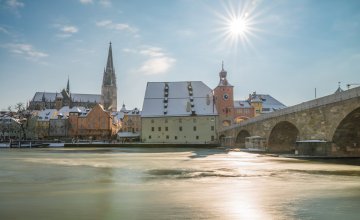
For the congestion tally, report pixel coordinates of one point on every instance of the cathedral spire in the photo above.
(108, 89)
(109, 65)
(68, 86)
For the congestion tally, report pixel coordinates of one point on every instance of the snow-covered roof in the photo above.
(86, 97)
(47, 114)
(64, 111)
(76, 97)
(256, 99)
(49, 96)
(177, 99)
(241, 104)
(269, 103)
(120, 114)
(6, 119)
(134, 111)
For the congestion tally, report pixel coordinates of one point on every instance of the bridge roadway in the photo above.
(334, 119)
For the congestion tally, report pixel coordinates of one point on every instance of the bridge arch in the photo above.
(282, 137)
(240, 138)
(347, 133)
(221, 138)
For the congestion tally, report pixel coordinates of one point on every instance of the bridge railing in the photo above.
(341, 96)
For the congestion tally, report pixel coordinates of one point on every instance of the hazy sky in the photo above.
(285, 48)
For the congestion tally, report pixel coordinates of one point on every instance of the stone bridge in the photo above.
(334, 119)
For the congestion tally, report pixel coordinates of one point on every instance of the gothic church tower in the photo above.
(108, 89)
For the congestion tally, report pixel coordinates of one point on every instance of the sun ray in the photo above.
(237, 25)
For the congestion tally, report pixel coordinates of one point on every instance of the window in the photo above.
(197, 137)
(180, 128)
(149, 136)
(194, 128)
(167, 136)
(212, 138)
(212, 128)
(194, 120)
(166, 128)
(159, 128)
(152, 129)
(175, 137)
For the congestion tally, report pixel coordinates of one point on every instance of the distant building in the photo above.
(130, 124)
(255, 105)
(178, 112)
(55, 100)
(234, 111)
(96, 124)
(42, 125)
(9, 128)
(76, 122)
(131, 121)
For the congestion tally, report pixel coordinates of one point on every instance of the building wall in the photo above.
(58, 127)
(191, 129)
(131, 123)
(9, 129)
(97, 124)
(241, 114)
(42, 129)
(258, 108)
(31, 128)
(224, 101)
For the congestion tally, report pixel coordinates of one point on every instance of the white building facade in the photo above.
(178, 112)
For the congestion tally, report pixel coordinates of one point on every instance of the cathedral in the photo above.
(107, 98)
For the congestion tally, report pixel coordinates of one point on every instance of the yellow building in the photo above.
(257, 104)
(178, 112)
(42, 124)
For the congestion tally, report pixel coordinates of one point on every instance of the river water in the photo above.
(164, 183)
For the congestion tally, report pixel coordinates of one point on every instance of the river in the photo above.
(168, 183)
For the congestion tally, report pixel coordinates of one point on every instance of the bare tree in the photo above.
(19, 107)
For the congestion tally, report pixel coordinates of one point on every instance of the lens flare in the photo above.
(237, 24)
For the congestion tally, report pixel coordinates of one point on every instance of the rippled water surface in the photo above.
(164, 183)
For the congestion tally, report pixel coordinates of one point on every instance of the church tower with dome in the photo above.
(224, 100)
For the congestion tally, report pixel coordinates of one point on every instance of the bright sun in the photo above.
(237, 23)
(238, 26)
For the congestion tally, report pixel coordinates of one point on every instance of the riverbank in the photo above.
(287, 155)
(141, 145)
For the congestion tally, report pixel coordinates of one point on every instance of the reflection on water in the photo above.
(165, 183)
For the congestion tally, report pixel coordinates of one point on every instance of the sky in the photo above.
(277, 47)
